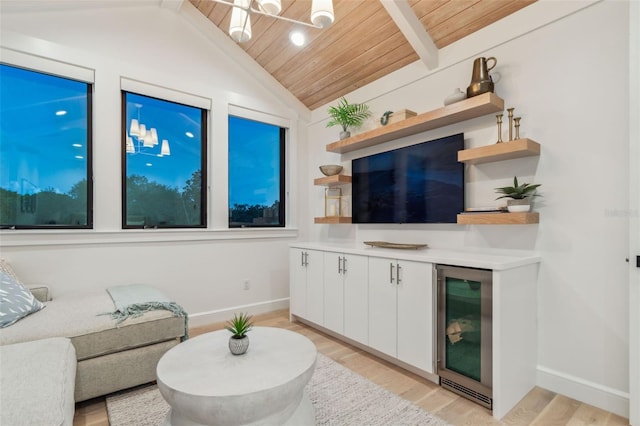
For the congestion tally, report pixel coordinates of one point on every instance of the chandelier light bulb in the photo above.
(240, 24)
(130, 148)
(154, 136)
(134, 130)
(272, 7)
(165, 150)
(322, 13)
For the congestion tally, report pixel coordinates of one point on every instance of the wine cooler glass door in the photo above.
(464, 325)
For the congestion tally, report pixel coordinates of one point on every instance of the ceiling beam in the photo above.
(413, 30)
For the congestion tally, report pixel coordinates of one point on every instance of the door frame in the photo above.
(634, 213)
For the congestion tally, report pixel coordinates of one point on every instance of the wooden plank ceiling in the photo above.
(363, 44)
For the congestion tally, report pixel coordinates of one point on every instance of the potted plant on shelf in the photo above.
(239, 325)
(348, 116)
(520, 195)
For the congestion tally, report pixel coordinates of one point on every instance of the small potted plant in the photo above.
(239, 325)
(348, 116)
(520, 195)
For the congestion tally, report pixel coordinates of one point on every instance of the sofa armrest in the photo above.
(40, 292)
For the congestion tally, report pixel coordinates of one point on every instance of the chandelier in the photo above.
(240, 24)
(141, 140)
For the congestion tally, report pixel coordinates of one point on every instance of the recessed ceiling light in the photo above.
(77, 145)
(61, 112)
(79, 157)
(148, 164)
(189, 134)
(297, 38)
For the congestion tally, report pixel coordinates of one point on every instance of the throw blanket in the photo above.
(135, 299)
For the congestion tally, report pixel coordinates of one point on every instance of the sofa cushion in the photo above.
(86, 320)
(16, 301)
(37, 383)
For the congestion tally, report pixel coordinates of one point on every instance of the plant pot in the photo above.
(345, 134)
(522, 205)
(238, 346)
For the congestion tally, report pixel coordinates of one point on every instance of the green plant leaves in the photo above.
(348, 115)
(518, 192)
(239, 325)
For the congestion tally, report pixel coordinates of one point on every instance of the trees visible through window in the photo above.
(256, 173)
(164, 163)
(45, 150)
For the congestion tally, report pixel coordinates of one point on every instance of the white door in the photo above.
(315, 286)
(297, 283)
(356, 298)
(382, 305)
(634, 210)
(333, 292)
(415, 314)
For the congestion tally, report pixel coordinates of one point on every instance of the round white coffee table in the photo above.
(206, 385)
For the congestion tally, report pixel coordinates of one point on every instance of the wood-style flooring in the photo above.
(539, 407)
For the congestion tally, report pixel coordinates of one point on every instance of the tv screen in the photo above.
(421, 183)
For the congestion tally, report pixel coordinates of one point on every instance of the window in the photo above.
(45, 150)
(256, 173)
(164, 164)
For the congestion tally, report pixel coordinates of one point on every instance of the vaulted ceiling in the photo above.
(368, 40)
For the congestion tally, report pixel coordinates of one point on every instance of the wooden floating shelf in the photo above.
(332, 219)
(498, 218)
(334, 180)
(500, 151)
(467, 109)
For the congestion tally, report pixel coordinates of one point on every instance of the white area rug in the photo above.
(338, 395)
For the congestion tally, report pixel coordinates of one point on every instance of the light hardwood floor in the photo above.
(539, 407)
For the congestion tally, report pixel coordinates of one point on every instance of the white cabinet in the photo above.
(345, 295)
(401, 310)
(306, 284)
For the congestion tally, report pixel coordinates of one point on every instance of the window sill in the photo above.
(20, 237)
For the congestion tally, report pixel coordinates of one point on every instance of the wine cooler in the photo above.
(464, 341)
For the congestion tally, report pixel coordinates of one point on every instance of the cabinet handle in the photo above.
(398, 280)
(339, 265)
(391, 278)
(306, 258)
(301, 258)
(344, 265)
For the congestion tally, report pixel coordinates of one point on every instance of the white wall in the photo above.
(204, 270)
(569, 81)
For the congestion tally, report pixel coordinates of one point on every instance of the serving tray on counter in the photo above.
(385, 244)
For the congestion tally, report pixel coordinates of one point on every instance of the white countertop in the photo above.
(477, 258)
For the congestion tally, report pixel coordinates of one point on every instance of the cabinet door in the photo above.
(333, 292)
(415, 314)
(315, 284)
(297, 283)
(356, 298)
(382, 305)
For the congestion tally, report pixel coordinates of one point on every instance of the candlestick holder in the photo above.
(499, 119)
(510, 111)
(517, 121)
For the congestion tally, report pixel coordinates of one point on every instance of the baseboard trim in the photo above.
(585, 391)
(221, 315)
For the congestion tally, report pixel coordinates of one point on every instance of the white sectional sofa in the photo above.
(108, 356)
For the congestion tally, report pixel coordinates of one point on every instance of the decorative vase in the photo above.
(238, 346)
(345, 134)
(522, 205)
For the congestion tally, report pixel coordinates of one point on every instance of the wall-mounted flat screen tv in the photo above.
(421, 183)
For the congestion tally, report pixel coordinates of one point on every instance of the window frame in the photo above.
(282, 174)
(89, 159)
(203, 165)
